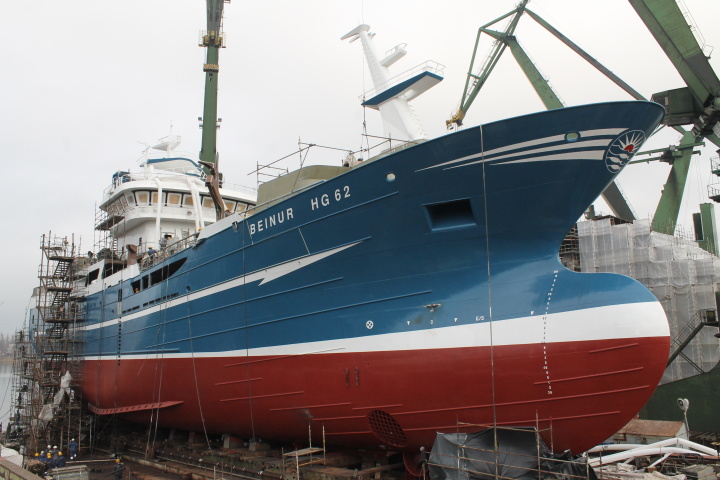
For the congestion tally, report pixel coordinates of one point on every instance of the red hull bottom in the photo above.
(577, 393)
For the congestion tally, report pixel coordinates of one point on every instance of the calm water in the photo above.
(5, 387)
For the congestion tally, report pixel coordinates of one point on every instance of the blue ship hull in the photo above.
(415, 293)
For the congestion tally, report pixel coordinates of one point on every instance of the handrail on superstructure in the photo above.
(427, 66)
(148, 261)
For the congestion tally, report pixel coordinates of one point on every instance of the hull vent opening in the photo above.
(386, 428)
(449, 215)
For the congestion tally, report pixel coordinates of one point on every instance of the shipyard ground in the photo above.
(239, 464)
(190, 456)
(149, 454)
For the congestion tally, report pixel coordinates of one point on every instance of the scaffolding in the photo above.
(682, 276)
(104, 243)
(570, 250)
(498, 453)
(46, 367)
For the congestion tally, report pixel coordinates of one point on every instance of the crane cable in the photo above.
(489, 293)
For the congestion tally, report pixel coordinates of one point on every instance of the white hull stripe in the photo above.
(596, 155)
(627, 321)
(583, 142)
(589, 155)
(266, 275)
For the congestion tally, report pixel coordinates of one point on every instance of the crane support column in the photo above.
(668, 208)
(208, 149)
(212, 40)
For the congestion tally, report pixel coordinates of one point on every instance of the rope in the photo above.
(9, 411)
(364, 110)
(247, 340)
(489, 290)
(152, 412)
(161, 356)
(365, 135)
(192, 354)
(117, 364)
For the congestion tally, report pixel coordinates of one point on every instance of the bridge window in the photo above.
(93, 275)
(207, 202)
(154, 200)
(174, 199)
(143, 198)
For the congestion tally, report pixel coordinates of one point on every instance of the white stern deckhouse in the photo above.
(164, 202)
(392, 93)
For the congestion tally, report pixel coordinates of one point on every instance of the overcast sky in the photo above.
(85, 82)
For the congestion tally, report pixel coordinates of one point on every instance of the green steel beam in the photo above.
(212, 41)
(707, 219)
(699, 102)
(668, 154)
(668, 208)
(714, 139)
(617, 202)
(214, 15)
(671, 30)
(539, 83)
(586, 56)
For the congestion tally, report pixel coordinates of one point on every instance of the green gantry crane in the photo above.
(698, 103)
(612, 194)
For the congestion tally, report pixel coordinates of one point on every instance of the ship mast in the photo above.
(212, 40)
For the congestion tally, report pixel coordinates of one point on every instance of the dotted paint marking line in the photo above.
(546, 367)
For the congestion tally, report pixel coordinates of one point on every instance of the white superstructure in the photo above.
(165, 202)
(392, 93)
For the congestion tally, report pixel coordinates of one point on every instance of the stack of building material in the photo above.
(699, 472)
